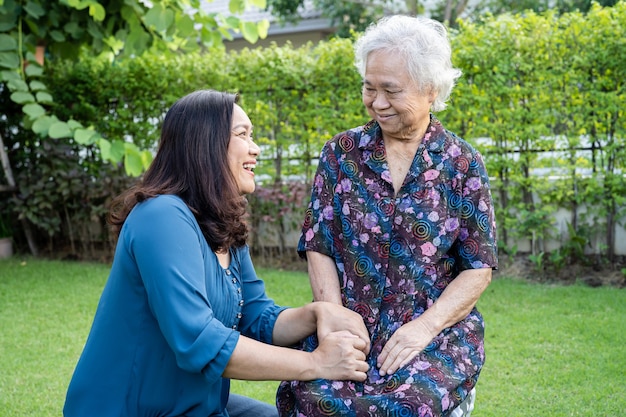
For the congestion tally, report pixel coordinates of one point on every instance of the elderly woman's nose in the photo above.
(380, 101)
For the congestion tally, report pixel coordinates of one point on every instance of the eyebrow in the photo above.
(244, 125)
(384, 84)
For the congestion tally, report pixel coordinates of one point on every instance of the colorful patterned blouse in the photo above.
(395, 254)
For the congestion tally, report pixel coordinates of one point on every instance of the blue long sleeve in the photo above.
(168, 321)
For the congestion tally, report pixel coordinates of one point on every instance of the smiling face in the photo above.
(242, 151)
(393, 99)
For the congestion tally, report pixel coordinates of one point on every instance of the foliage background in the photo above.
(542, 97)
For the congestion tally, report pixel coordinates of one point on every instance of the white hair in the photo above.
(424, 45)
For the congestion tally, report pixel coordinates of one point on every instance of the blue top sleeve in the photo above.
(168, 321)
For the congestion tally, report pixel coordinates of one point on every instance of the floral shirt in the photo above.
(395, 255)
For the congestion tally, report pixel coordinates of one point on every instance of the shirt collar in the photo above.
(433, 141)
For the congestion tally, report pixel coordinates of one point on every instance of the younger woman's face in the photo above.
(242, 151)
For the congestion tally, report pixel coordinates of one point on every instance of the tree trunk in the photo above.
(8, 174)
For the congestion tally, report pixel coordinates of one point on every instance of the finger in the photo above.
(361, 370)
(359, 376)
(384, 354)
(398, 362)
(343, 333)
(367, 342)
(361, 345)
(388, 357)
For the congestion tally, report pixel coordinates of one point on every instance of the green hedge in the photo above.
(539, 92)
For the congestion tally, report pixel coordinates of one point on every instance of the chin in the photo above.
(246, 190)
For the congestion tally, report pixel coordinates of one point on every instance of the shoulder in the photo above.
(449, 144)
(354, 139)
(452, 139)
(242, 252)
(163, 203)
(161, 208)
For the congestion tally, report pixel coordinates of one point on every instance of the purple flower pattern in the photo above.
(395, 255)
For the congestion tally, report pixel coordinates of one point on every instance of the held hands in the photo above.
(340, 356)
(404, 345)
(332, 317)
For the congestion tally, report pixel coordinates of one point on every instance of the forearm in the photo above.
(340, 356)
(457, 300)
(294, 324)
(323, 277)
(257, 361)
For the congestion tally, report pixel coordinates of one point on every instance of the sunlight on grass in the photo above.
(551, 350)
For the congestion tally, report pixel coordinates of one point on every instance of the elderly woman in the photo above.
(400, 228)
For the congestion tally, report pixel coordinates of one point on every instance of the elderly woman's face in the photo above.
(242, 151)
(392, 99)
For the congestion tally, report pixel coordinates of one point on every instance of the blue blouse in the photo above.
(168, 321)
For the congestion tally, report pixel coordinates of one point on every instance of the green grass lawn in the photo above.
(551, 350)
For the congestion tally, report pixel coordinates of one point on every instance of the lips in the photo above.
(384, 117)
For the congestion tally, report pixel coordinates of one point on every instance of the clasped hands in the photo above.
(344, 342)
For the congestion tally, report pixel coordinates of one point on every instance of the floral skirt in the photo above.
(433, 384)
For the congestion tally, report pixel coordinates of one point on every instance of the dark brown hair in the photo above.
(192, 163)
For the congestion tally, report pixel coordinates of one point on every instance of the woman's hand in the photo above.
(404, 345)
(340, 356)
(454, 304)
(331, 317)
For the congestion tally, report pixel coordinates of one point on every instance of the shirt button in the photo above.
(235, 327)
(240, 302)
(234, 280)
(228, 272)
(239, 315)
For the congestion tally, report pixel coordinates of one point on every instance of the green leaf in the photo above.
(133, 163)
(9, 60)
(250, 32)
(38, 86)
(21, 97)
(137, 41)
(17, 84)
(73, 28)
(237, 6)
(34, 9)
(146, 159)
(7, 43)
(33, 110)
(44, 97)
(10, 75)
(33, 69)
(185, 26)
(159, 18)
(60, 130)
(57, 36)
(117, 151)
(73, 124)
(42, 124)
(8, 22)
(105, 149)
(261, 4)
(262, 28)
(85, 136)
(79, 4)
(232, 22)
(97, 12)
(115, 44)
